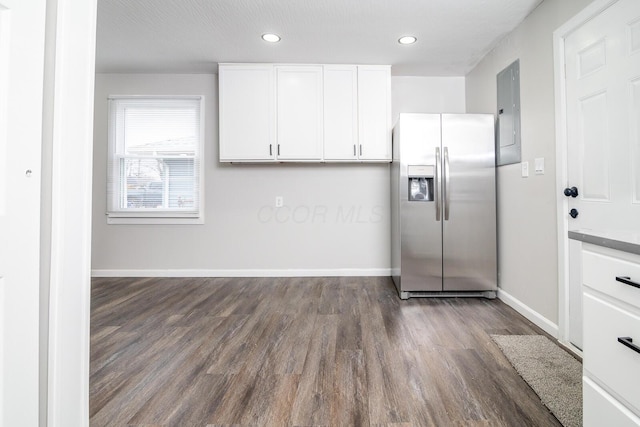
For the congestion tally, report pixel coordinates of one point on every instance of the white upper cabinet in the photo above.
(309, 113)
(247, 112)
(374, 112)
(299, 112)
(340, 112)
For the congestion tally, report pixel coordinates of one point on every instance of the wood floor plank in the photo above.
(271, 401)
(312, 405)
(288, 345)
(191, 383)
(320, 351)
(246, 367)
(451, 386)
(498, 408)
(350, 403)
(135, 392)
(426, 406)
(232, 353)
(200, 396)
(387, 390)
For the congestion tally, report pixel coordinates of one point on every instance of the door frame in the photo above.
(66, 212)
(562, 204)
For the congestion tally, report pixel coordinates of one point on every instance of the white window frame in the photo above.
(165, 216)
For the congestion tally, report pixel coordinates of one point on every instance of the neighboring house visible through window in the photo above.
(155, 152)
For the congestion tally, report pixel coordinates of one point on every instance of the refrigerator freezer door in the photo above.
(421, 233)
(469, 228)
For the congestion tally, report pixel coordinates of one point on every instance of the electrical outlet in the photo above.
(525, 169)
(279, 201)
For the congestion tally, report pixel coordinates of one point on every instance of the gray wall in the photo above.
(427, 95)
(527, 235)
(335, 219)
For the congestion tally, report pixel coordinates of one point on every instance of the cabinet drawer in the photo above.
(611, 362)
(600, 409)
(600, 272)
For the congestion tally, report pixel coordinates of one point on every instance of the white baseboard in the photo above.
(570, 347)
(245, 273)
(535, 317)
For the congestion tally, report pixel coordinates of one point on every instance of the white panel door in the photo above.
(340, 112)
(299, 112)
(22, 35)
(247, 112)
(374, 112)
(603, 131)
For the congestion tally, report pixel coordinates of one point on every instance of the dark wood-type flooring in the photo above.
(300, 352)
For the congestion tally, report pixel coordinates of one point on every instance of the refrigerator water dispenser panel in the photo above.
(420, 183)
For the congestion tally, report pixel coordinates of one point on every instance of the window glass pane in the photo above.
(160, 130)
(158, 183)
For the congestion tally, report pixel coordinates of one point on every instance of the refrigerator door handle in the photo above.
(436, 186)
(445, 189)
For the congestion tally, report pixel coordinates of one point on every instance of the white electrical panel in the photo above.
(508, 135)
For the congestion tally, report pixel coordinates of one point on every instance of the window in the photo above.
(155, 151)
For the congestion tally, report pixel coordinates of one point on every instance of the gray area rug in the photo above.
(552, 373)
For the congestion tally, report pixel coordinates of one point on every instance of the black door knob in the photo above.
(571, 192)
(573, 212)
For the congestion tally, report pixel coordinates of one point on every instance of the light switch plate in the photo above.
(540, 166)
(525, 169)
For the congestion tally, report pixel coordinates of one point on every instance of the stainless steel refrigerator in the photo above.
(443, 205)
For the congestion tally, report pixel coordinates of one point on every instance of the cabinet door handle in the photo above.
(627, 281)
(361, 149)
(271, 149)
(354, 150)
(628, 342)
(278, 149)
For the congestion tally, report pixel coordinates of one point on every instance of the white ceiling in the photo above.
(193, 36)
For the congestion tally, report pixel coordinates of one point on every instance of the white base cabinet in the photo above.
(305, 113)
(601, 409)
(611, 351)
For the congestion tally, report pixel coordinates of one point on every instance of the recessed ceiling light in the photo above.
(407, 40)
(271, 38)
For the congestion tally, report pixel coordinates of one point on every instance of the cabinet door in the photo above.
(374, 112)
(601, 409)
(340, 112)
(299, 112)
(247, 112)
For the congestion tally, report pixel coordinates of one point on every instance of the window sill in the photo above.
(155, 220)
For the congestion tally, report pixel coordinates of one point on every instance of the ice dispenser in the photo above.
(420, 183)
